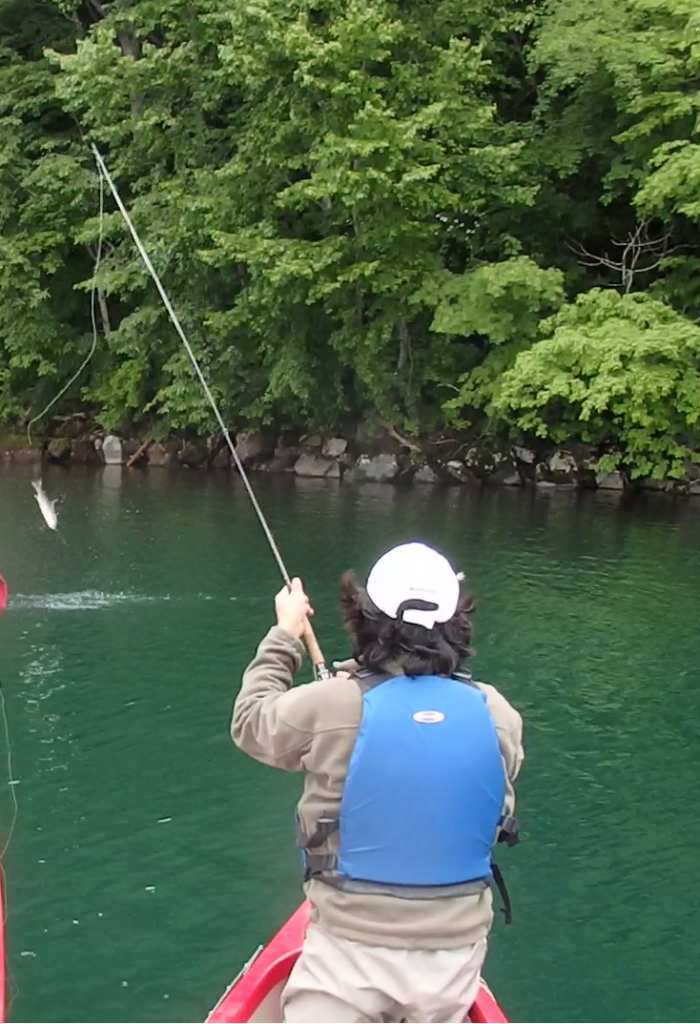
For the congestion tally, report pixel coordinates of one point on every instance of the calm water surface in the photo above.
(150, 857)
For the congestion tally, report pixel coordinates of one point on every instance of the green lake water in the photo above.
(150, 858)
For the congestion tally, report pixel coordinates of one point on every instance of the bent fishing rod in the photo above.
(309, 637)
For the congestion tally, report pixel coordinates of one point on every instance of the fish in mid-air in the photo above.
(48, 507)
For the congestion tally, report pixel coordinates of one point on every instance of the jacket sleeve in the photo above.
(266, 723)
(509, 728)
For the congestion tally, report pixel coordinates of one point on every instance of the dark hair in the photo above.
(378, 640)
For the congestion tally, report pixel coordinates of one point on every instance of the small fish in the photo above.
(48, 508)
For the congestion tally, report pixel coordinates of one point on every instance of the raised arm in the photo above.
(266, 723)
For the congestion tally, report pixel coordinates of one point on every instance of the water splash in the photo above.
(79, 601)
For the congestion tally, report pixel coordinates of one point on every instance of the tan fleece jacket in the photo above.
(312, 728)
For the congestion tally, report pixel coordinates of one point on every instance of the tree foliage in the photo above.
(410, 210)
(621, 369)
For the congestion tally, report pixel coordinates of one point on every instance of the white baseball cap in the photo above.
(414, 572)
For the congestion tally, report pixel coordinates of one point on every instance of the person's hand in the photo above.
(292, 608)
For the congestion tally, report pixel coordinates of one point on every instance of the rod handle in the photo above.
(315, 652)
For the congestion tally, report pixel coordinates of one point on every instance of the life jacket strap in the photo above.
(325, 827)
(500, 882)
(316, 864)
(367, 678)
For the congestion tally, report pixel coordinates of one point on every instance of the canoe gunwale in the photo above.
(272, 965)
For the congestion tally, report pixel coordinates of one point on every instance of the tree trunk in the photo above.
(131, 47)
(104, 312)
(405, 354)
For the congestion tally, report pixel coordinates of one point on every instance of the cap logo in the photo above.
(428, 717)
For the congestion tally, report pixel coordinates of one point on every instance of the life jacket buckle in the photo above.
(508, 831)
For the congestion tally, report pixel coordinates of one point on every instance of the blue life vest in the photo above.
(425, 786)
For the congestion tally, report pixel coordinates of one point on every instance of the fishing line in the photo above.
(10, 779)
(9, 978)
(93, 314)
(193, 359)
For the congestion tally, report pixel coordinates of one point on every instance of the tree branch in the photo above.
(637, 248)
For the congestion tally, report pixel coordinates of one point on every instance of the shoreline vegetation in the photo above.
(378, 456)
(416, 240)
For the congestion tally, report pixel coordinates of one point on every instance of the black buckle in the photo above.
(509, 831)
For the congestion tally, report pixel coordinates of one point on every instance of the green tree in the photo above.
(361, 208)
(367, 143)
(492, 312)
(621, 372)
(618, 120)
(42, 330)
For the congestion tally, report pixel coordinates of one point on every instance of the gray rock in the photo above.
(380, 469)
(250, 445)
(316, 465)
(458, 471)
(283, 460)
(507, 477)
(278, 464)
(426, 475)
(314, 441)
(488, 465)
(485, 461)
(335, 447)
(694, 488)
(610, 481)
(159, 455)
(84, 452)
(523, 454)
(222, 459)
(112, 450)
(472, 458)
(560, 470)
(282, 449)
(193, 454)
(59, 449)
(562, 462)
(667, 485)
(692, 470)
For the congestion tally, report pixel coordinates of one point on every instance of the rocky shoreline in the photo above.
(384, 457)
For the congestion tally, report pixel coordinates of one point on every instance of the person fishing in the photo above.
(409, 770)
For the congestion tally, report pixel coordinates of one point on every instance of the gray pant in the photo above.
(336, 981)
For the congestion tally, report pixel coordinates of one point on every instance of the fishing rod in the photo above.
(309, 637)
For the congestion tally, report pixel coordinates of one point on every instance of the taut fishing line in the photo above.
(193, 359)
(15, 808)
(10, 779)
(93, 314)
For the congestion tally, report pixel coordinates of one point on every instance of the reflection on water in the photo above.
(39, 683)
(150, 858)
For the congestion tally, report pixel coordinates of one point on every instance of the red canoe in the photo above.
(2, 952)
(255, 994)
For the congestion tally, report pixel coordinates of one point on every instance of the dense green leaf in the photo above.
(393, 209)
